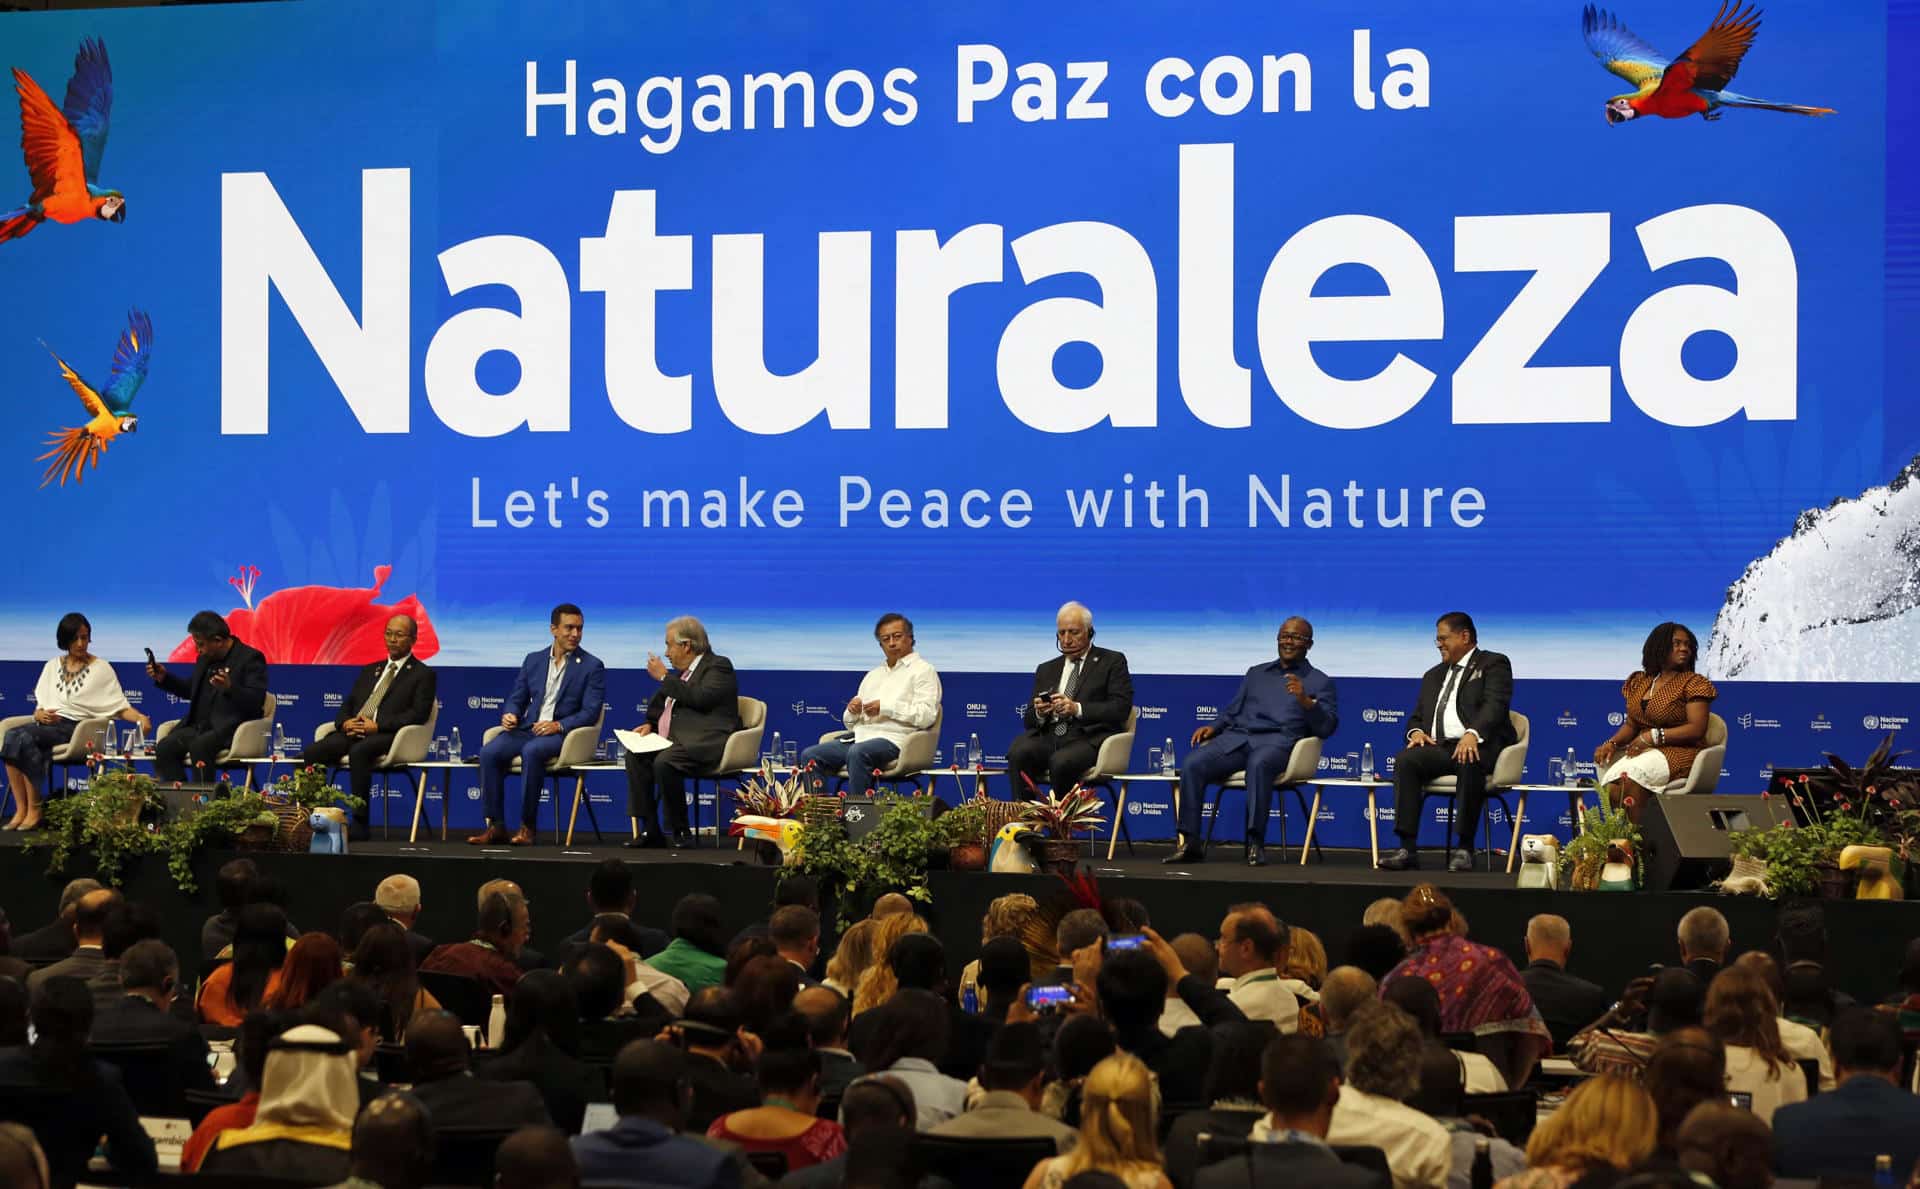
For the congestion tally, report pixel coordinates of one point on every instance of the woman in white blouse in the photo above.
(75, 685)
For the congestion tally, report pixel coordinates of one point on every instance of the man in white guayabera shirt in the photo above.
(895, 700)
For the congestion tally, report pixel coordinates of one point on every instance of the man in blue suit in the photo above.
(1279, 704)
(557, 689)
(1838, 1134)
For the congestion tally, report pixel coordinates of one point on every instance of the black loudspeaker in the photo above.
(1687, 837)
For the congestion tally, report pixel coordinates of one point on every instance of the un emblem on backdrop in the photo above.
(1133, 808)
(1871, 722)
(1369, 715)
(1616, 718)
(473, 701)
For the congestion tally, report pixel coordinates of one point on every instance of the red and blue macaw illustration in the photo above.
(1695, 82)
(75, 449)
(63, 146)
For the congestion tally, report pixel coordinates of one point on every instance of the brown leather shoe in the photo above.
(522, 837)
(491, 836)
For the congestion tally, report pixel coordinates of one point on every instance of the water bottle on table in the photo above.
(458, 754)
(279, 742)
(1569, 770)
(779, 755)
(1166, 757)
(1366, 761)
(973, 750)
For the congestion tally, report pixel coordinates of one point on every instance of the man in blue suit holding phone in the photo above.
(557, 689)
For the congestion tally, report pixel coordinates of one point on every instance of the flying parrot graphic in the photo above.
(1696, 81)
(75, 449)
(63, 146)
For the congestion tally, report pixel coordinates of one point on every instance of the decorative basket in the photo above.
(1831, 883)
(819, 809)
(1001, 814)
(295, 831)
(1586, 875)
(967, 856)
(1060, 855)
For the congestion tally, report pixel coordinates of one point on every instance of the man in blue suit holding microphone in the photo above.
(557, 689)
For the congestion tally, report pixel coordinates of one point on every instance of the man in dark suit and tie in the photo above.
(1457, 730)
(1838, 1134)
(1566, 1001)
(1300, 1087)
(1279, 703)
(557, 689)
(389, 694)
(229, 687)
(696, 707)
(1079, 698)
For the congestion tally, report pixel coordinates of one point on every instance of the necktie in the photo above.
(666, 719)
(379, 690)
(1073, 677)
(1446, 698)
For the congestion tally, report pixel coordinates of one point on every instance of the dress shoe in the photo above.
(682, 840)
(1190, 853)
(648, 840)
(1462, 860)
(1400, 860)
(491, 836)
(522, 837)
(1256, 855)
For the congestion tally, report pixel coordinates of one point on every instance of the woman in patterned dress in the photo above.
(75, 685)
(1666, 725)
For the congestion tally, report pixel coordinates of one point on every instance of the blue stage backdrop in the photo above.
(1202, 313)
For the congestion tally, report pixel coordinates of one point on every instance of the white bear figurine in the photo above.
(1539, 861)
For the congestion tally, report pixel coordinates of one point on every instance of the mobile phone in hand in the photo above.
(1049, 996)
(1126, 941)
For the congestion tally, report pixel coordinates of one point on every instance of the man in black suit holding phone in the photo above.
(696, 707)
(1079, 698)
(387, 695)
(229, 687)
(1457, 729)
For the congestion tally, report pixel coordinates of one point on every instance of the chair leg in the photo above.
(419, 801)
(1519, 817)
(1373, 819)
(1215, 818)
(1313, 816)
(579, 787)
(592, 820)
(383, 807)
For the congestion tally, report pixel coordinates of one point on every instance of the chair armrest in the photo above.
(1303, 763)
(166, 728)
(577, 747)
(322, 731)
(17, 720)
(742, 750)
(1116, 753)
(487, 735)
(410, 744)
(250, 740)
(917, 754)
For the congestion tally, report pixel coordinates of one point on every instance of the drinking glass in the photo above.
(1153, 759)
(439, 747)
(1353, 764)
(1555, 769)
(793, 754)
(959, 755)
(616, 750)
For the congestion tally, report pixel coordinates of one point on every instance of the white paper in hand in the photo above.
(636, 743)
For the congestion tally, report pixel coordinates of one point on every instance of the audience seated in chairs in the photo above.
(488, 957)
(1729, 1146)
(246, 983)
(444, 1083)
(55, 940)
(1470, 1071)
(1232, 1097)
(398, 896)
(786, 1122)
(542, 1048)
(1742, 1015)
(718, 1060)
(257, 1034)
(143, 1018)
(764, 991)
(1566, 1001)
(828, 1014)
(88, 957)
(1300, 1091)
(652, 1094)
(697, 954)
(393, 1143)
(383, 964)
(1869, 1113)
(611, 896)
(1013, 1079)
(69, 1099)
(310, 967)
(907, 1039)
(127, 925)
(1383, 1071)
(1118, 1130)
(303, 1127)
(536, 1157)
(1607, 1123)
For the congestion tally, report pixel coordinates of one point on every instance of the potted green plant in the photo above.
(1058, 818)
(1803, 858)
(892, 857)
(1602, 829)
(293, 798)
(105, 819)
(964, 830)
(221, 820)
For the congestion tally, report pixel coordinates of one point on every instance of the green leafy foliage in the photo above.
(217, 823)
(308, 788)
(963, 824)
(104, 819)
(1601, 826)
(893, 857)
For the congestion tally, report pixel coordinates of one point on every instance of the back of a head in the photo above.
(598, 978)
(357, 920)
(1703, 933)
(149, 965)
(436, 1046)
(310, 967)
(1866, 1041)
(1730, 1145)
(1306, 957)
(920, 961)
(797, 890)
(1606, 1122)
(1078, 929)
(1383, 1051)
(1014, 1058)
(714, 1007)
(891, 904)
(61, 1010)
(1233, 1071)
(127, 924)
(1418, 998)
(1119, 1114)
(764, 990)
(1127, 915)
(881, 1158)
(1082, 1043)
(787, 1070)
(648, 1079)
(793, 927)
(877, 1103)
(1741, 1010)
(234, 881)
(261, 929)
(1675, 1000)
(257, 1033)
(1762, 966)
(610, 887)
(1376, 949)
(1549, 934)
(1132, 987)
(913, 1023)
(543, 1005)
(1198, 955)
(22, 1164)
(1426, 910)
(1687, 1068)
(1800, 933)
(1345, 989)
(535, 1158)
(398, 894)
(1297, 1075)
(696, 920)
(743, 951)
(499, 913)
(393, 1142)
(90, 915)
(1004, 968)
(827, 1013)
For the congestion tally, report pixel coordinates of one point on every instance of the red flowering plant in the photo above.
(307, 787)
(319, 625)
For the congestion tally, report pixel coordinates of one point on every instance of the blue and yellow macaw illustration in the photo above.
(63, 147)
(75, 449)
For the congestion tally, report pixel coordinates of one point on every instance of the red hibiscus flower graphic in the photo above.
(320, 625)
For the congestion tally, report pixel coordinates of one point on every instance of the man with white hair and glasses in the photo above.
(696, 707)
(1079, 698)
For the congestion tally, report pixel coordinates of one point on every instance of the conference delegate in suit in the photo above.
(1278, 704)
(229, 687)
(387, 695)
(696, 707)
(557, 689)
(1079, 698)
(1457, 729)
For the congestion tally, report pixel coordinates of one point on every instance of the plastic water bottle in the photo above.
(1883, 1172)
(779, 756)
(1481, 1176)
(457, 754)
(973, 751)
(279, 743)
(970, 1000)
(497, 1022)
(1570, 770)
(1166, 757)
(1366, 761)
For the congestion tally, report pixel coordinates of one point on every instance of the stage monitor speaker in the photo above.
(1687, 837)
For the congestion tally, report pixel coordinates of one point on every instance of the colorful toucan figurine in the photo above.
(63, 146)
(1695, 82)
(79, 447)
(782, 832)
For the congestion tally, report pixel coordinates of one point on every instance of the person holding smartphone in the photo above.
(228, 687)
